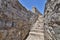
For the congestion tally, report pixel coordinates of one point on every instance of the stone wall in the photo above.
(52, 20)
(15, 20)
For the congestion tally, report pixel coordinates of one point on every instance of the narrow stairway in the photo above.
(37, 31)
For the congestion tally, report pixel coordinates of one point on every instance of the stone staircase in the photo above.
(37, 31)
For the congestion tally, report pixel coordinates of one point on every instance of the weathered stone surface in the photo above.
(16, 22)
(3, 34)
(52, 20)
(15, 19)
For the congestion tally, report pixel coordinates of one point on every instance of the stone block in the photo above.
(3, 34)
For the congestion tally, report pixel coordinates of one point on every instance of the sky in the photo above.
(39, 4)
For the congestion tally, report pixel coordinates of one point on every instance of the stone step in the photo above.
(38, 28)
(33, 37)
(36, 33)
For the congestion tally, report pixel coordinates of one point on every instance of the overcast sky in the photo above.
(39, 4)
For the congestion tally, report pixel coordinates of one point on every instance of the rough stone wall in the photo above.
(52, 20)
(15, 20)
